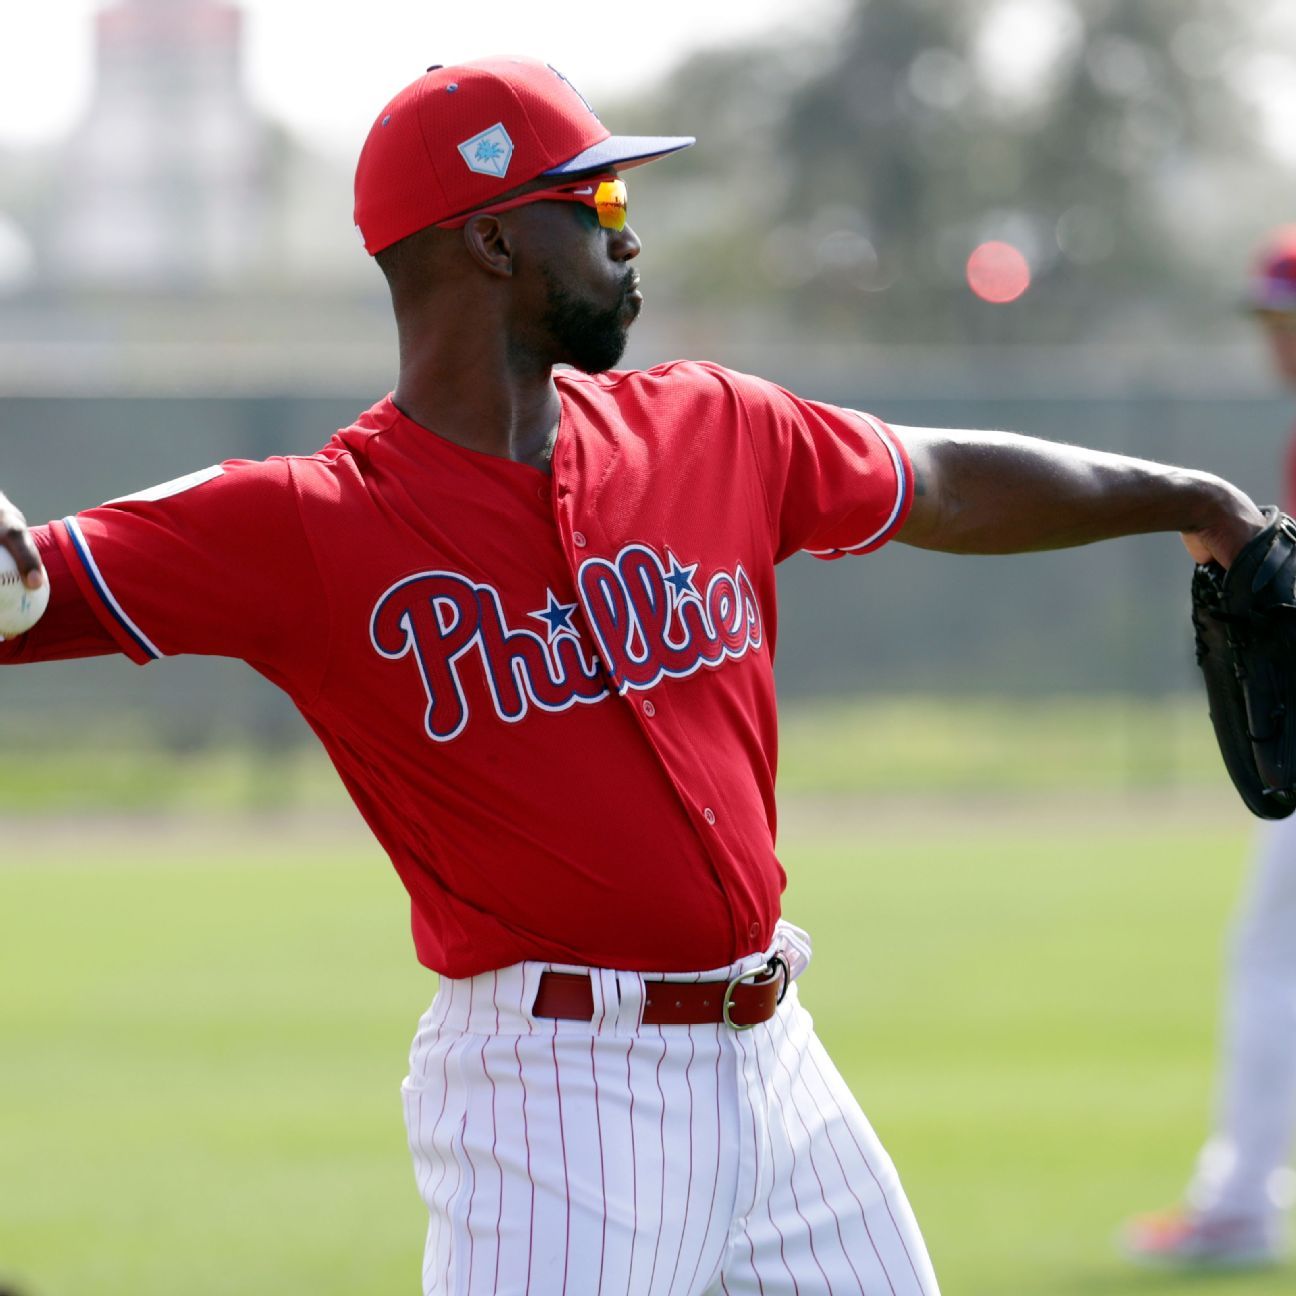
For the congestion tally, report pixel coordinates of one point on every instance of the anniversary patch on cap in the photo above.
(490, 152)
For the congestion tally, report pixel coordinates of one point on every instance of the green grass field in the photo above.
(855, 746)
(205, 1020)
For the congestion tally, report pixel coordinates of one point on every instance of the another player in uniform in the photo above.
(1234, 1207)
(531, 616)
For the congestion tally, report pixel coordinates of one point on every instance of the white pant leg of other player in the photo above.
(1244, 1170)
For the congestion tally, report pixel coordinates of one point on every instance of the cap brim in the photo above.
(623, 151)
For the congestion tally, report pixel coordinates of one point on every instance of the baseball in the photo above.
(20, 607)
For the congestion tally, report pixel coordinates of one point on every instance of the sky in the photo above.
(325, 70)
(327, 79)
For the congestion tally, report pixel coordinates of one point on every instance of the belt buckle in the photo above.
(776, 967)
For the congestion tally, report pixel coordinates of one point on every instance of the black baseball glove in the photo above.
(1245, 625)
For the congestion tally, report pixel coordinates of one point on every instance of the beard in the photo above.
(588, 337)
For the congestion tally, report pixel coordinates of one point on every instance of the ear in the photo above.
(490, 245)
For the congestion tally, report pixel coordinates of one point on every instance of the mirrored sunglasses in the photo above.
(605, 195)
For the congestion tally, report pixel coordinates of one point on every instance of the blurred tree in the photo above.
(1117, 146)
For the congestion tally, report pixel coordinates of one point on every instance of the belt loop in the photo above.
(604, 981)
(629, 1004)
(529, 988)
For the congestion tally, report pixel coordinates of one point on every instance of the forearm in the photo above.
(995, 492)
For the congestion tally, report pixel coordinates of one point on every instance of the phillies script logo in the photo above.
(647, 620)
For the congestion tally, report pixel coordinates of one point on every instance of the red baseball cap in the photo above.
(1273, 282)
(461, 136)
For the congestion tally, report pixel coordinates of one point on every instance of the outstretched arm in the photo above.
(994, 492)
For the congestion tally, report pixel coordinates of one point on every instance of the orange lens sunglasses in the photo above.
(606, 195)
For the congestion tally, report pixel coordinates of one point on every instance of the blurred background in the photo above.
(1037, 215)
(1025, 214)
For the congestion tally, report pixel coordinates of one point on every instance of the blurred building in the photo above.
(167, 179)
(178, 242)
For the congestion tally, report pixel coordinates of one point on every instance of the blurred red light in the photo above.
(997, 272)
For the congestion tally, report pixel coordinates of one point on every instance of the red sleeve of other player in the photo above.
(217, 563)
(837, 481)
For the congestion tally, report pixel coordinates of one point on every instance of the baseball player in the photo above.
(531, 616)
(1234, 1207)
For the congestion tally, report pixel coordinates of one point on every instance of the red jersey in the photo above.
(550, 696)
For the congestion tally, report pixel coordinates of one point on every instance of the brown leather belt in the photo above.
(743, 1002)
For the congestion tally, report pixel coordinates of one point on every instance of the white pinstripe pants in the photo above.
(606, 1158)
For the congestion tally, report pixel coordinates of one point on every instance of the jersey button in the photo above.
(648, 709)
(709, 815)
(754, 930)
(542, 492)
(578, 539)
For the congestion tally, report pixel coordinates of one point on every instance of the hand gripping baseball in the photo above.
(17, 540)
(1244, 621)
(24, 593)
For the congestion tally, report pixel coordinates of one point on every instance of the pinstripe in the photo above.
(688, 1191)
(472, 1192)
(872, 1174)
(793, 1082)
(526, 1138)
(499, 1169)
(425, 1043)
(846, 1180)
(445, 1094)
(598, 1126)
(445, 1221)
(449, 1202)
(430, 1250)
(424, 1169)
(769, 1202)
(445, 1232)
(715, 1185)
(634, 1172)
(751, 1106)
(418, 1139)
(562, 1143)
(661, 1138)
(791, 1142)
(430, 1256)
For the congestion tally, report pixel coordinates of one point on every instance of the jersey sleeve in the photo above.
(837, 481)
(217, 563)
(69, 627)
